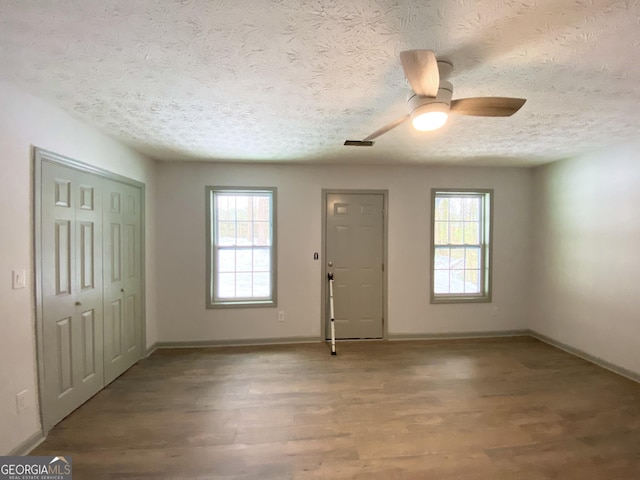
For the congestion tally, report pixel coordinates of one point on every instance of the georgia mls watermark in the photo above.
(35, 468)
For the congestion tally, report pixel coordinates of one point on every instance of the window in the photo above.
(241, 238)
(461, 246)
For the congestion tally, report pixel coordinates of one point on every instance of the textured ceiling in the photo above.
(290, 80)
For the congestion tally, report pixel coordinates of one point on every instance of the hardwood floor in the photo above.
(512, 408)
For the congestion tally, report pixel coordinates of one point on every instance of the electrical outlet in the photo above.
(281, 316)
(494, 311)
(19, 279)
(21, 401)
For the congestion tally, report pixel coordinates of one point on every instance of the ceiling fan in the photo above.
(430, 102)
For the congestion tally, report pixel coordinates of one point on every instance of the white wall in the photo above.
(181, 249)
(26, 121)
(586, 254)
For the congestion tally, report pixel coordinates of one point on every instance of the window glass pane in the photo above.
(244, 234)
(472, 281)
(226, 207)
(261, 233)
(456, 281)
(226, 285)
(441, 281)
(442, 209)
(441, 258)
(241, 245)
(457, 258)
(441, 233)
(226, 234)
(456, 236)
(471, 233)
(244, 260)
(472, 259)
(261, 207)
(261, 259)
(244, 207)
(261, 285)
(226, 260)
(455, 208)
(471, 209)
(244, 285)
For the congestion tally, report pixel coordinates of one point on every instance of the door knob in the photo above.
(331, 264)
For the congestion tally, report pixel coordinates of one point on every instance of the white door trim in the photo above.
(324, 271)
(39, 156)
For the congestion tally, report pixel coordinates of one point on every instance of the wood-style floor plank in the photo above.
(511, 408)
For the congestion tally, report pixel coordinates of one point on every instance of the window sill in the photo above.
(460, 299)
(243, 304)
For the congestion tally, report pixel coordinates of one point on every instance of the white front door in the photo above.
(355, 254)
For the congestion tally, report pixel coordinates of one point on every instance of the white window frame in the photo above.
(486, 242)
(212, 300)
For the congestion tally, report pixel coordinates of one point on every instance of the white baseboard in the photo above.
(586, 356)
(28, 445)
(151, 349)
(236, 343)
(457, 335)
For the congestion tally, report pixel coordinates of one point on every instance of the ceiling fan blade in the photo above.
(368, 141)
(421, 69)
(387, 127)
(487, 106)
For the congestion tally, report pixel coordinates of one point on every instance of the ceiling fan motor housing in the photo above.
(419, 105)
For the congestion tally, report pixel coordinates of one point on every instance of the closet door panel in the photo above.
(122, 277)
(71, 289)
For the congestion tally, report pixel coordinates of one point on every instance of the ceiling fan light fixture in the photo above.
(430, 113)
(428, 121)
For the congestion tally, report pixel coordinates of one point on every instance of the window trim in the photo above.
(211, 303)
(486, 248)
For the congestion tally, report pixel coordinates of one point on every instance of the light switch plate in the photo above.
(21, 401)
(19, 278)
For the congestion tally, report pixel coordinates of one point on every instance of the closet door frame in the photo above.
(39, 156)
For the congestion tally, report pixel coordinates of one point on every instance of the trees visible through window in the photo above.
(241, 245)
(461, 246)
